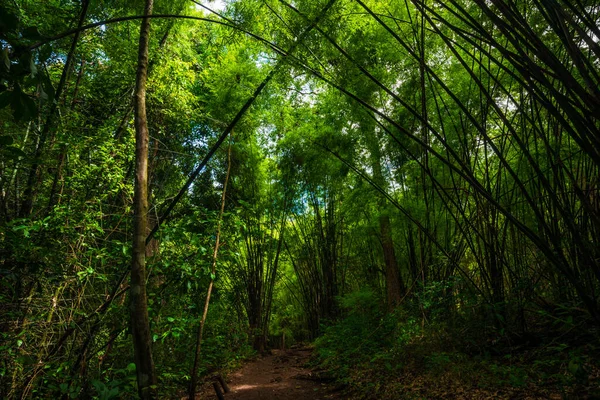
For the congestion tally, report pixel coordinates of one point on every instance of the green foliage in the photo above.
(368, 346)
(447, 151)
(364, 336)
(122, 384)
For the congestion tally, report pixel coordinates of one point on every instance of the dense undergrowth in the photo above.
(113, 375)
(419, 351)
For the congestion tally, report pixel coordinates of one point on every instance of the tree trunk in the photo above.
(194, 373)
(394, 284)
(393, 280)
(140, 325)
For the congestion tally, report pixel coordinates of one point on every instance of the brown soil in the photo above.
(280, 375)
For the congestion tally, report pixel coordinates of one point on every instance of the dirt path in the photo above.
(281, 375)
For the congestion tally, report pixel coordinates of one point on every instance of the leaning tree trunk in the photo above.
(140, 325)
(200, 334)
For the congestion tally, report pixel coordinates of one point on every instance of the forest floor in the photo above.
(286, 375)
(282, 374)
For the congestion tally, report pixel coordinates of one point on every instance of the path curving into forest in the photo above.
(281, 375)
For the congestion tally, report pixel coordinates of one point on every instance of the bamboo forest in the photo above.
(299, 199)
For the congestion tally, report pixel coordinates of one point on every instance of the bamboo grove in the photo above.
(441, 156)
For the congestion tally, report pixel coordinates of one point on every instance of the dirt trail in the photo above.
(280, 375)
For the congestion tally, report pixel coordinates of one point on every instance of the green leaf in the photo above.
(99, 386)
(25, 62)
(44, 53)
(32, 67)
(47, 86)
(23, 106)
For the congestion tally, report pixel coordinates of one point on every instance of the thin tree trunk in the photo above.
(194, 373)
(425, 245)
(268, 298)
(140, 324)
(63, 151)
(30, 189)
